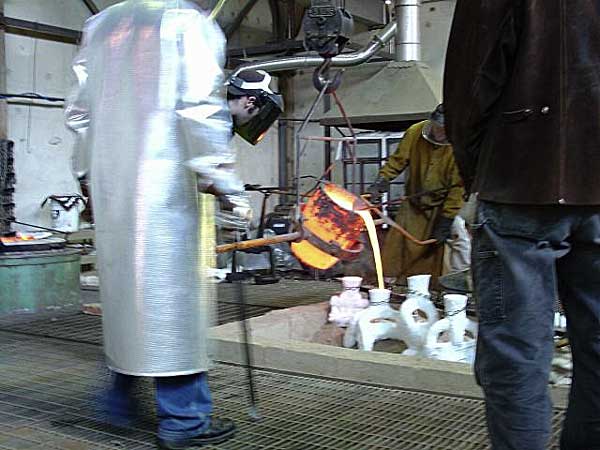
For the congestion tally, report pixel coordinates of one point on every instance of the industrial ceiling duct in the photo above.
(380, 96)
(408, 31)
(344, 60)
(392, 96)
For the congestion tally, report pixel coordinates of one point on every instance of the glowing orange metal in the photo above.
(331, 227)
(12, 239)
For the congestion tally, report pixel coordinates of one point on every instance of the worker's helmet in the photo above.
(256, 83)
(436, 119)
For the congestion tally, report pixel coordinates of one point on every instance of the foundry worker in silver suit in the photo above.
(151, 110)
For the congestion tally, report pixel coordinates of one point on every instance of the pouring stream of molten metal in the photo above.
(341, 230)
(370, 224)
(357, 205)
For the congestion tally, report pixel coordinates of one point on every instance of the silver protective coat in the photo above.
(149, 112)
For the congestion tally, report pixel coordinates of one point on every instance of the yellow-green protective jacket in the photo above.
(430, 167)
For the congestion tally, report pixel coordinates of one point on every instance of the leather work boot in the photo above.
(219, 431)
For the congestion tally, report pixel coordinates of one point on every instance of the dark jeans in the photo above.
(524, 257)
(183, 404)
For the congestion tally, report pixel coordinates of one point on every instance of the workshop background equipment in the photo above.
(271, 276)
(7, 186)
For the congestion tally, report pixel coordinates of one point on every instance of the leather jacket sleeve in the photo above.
(455, 198)
(483, 41)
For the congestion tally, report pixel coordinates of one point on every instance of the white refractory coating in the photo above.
(377, 296)
(345, 305)
(459, 346)
(377, 322)
(351, 282)
(455, 307)
(416, 324)
(417, 314)
(419, 284)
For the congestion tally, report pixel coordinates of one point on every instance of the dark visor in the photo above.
(255, 130)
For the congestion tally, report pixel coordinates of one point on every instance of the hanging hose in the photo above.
(385, 219)
(353, 143)
(39, 227)
(299, 152)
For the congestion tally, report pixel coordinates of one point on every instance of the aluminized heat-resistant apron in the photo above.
(150, 115)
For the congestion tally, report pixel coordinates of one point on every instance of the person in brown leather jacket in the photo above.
(522, 97)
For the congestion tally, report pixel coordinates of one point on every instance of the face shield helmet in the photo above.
(269, 104)
(434, 131)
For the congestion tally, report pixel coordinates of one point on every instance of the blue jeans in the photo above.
(524, 258)
(183, 404)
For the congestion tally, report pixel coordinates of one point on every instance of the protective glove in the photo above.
(469, 210)
(235, 212)
(377, 189)
(442, 229)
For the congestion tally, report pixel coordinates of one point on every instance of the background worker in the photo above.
(426, 154)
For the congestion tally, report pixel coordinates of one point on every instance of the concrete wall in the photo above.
(436, 19)
(43, 146)
(259, 165)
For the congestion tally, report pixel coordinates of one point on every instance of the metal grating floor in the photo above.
(48, 386)
(70, 324)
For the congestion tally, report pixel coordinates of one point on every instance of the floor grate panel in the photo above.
(72, 325)
(48, 387)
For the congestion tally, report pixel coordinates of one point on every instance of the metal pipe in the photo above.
(327, 137)
(91, 6)
(408, 31)
(351, 144)
(3, 108)
(344, 60)
(386, 220)
(217, 9)
(40, 30)
(38, 227)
